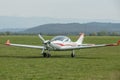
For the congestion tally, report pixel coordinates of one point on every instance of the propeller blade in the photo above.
(41, 38)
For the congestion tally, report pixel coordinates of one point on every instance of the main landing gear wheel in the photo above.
(72, 55)
(46, 54)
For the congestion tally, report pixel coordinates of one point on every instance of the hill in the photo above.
(7, 22)
(28, 22)
(74, 28)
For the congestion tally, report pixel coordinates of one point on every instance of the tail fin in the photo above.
(7, 42)
(80, 39)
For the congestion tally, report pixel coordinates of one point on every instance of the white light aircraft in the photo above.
(62, 43)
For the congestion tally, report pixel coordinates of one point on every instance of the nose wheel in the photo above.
(46, 54)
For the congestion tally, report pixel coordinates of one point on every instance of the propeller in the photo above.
(45, 42)
(41, 38)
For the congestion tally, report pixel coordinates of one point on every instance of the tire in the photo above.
(44, 54)
(48, 55)
(72, 55)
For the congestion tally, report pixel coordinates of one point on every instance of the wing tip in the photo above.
(118, 43)
(7, 42)
(115, 44)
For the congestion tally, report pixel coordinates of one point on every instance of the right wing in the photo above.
(22, 45)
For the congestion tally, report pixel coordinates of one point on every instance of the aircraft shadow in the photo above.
(54, 56)
(77, 57)
(5, 56)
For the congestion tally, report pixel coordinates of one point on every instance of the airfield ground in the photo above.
(89, 64)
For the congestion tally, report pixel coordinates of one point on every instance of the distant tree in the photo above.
(115, 34)
(7, 33)
(93, 34)
(102, 33)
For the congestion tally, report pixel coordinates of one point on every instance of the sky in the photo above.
(81, 9)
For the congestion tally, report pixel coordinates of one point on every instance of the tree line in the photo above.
(101, 33)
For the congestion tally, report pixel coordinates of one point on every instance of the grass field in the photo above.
(89, 64)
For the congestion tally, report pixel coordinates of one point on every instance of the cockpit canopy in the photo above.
(61, 38)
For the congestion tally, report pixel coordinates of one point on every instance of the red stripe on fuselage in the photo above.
(65, 44)
(60, 44)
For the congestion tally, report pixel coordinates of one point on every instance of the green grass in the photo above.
(89, 64)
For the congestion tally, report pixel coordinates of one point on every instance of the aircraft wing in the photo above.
(83, 46)
(22, 45)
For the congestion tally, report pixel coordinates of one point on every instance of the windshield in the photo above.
(61, 38)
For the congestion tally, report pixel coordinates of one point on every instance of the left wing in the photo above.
(22, 45)
(100, 45)
(83, 46)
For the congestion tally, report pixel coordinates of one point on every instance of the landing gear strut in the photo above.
(73, 54)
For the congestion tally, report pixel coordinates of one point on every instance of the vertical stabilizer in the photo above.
(80, 39)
